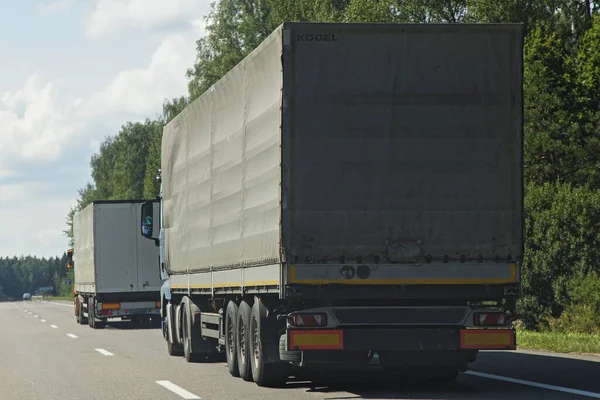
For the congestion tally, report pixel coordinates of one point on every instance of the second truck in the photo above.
(116, 275)
(347, 190)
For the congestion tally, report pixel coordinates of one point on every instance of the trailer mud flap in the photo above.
(488, 339)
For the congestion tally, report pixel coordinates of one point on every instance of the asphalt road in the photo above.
(45, 354)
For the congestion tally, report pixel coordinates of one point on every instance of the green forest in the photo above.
(20, 275)
(561, 280)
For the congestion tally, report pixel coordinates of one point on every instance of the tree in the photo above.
(27, 274)
(562, 123)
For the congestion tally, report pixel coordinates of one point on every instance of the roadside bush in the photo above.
(582, 315)
(562, 247)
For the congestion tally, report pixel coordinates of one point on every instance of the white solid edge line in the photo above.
(104, 352)
(535, 384)
(53, 326)
(72, 336)
(177, 390)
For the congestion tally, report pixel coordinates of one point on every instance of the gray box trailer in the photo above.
(116, 272)
(362, 175)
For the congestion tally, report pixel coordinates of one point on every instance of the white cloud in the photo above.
(37, 123)
(47, 136)
(142, 91)
(110, 16)
(59, 5)
(33, 124)
(36, 225)
(6, 173)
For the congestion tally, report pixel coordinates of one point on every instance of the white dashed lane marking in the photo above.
(184, 394)
(104, 352)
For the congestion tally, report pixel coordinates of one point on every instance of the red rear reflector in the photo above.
(309, 320)
(488, 339)
(316, 340)
(489, 319)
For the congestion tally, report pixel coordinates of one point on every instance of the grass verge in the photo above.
(50, 298)
(559, 342)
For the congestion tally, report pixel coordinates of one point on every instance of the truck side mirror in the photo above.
(146, 222)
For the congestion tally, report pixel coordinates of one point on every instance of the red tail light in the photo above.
(489, 319)
(309, 320)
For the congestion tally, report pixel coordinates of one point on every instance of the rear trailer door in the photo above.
(116, 250)
(403, 152)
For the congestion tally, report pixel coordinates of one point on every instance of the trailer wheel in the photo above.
(92, 321)
(76, 307)
(174, 349)
(177, 325)
(242, 341)
(231, 314)
(187, 339)
(91, 313)
(263, 333)
(195, 347)
(82, 319)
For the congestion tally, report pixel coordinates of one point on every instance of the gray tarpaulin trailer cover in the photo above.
(397, 148)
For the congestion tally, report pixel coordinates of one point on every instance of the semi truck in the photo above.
(115, 269)
(346, 191)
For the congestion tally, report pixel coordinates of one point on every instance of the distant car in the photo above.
(26, 296)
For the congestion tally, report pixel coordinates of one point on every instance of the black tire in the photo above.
(187, 340)
(91, 313)
(231, 314)
(263, 373)
(196, 348)
(174, 349)
(76, 308)
(82, 318)
(178, 324)
(242, 341)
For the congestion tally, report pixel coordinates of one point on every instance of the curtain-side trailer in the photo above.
(346, 190)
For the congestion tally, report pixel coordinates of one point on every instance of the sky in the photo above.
(72, 72)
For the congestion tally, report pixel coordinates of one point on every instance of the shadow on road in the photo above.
(374, 383)
(581, 373)
(128, 325)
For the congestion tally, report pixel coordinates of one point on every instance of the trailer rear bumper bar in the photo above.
(400, 339)
(127, 309)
